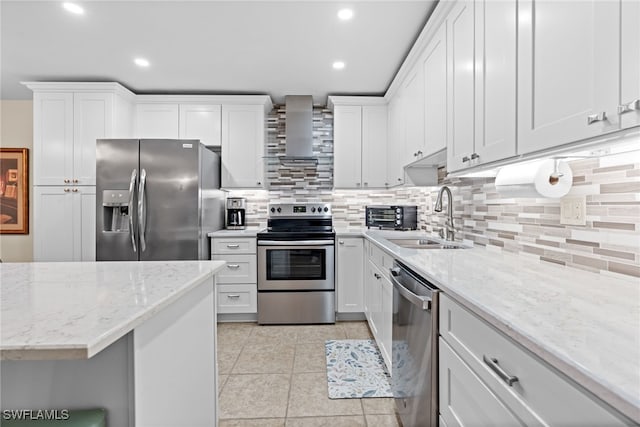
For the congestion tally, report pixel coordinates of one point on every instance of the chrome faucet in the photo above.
(450, 230)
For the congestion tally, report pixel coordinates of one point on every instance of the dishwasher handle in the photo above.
(422, 302)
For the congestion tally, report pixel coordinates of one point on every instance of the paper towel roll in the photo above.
(535, 179)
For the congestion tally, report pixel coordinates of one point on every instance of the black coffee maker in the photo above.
(236, 210)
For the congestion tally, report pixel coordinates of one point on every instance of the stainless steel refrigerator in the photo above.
(156, 199)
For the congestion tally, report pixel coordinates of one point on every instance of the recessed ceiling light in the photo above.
(73, 8)
(141, 62)
(338, 65)
(345, 14)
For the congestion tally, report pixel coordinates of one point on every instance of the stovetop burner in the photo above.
(308, 220)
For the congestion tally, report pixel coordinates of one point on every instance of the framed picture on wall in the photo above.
(14, 191)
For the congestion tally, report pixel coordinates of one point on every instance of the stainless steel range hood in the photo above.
(299, 131)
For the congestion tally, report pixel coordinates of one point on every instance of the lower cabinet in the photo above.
(236, 284)
(349, 275)
(378, 294)
(488, 379)
(64, 223)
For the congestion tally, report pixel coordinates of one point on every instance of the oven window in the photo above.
(296, 264)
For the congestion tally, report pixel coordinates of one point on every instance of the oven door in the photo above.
(295, 265)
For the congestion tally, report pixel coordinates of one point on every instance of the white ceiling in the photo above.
(258, 47)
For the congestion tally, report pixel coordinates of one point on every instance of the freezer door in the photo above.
(169, 206)
(117, 172)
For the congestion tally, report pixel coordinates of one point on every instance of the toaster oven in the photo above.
(397, 217)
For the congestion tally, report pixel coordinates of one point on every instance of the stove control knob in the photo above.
(326, 209)
(319, 209)
(279, 210)
(273, 210)
(313, 209)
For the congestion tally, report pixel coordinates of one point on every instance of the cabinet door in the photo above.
(53, 224)
(374, 142)
(495, 80)
(372, 282)
(630, 64)
(52, 138)
(464, 399)
(157, 121)
(201, 122)
(349, 260)
(568, 70)
(85, 224)
(434, 65)
(92, 119)
(395, 142)
(460, 85)
(243, 129)
(347, 146)
(413, 98)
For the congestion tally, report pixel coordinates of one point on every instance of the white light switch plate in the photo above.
(573, 210)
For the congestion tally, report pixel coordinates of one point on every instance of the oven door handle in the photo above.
(296, 243)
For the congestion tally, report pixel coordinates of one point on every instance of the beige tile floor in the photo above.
(275, 376)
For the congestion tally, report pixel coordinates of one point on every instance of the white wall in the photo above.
(16, 131)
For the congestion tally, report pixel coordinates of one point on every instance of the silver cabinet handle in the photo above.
(419, 153)
(66, 181)
(132, 189)
(233, 246)
(142, 214)
(632, 106)
(233, 266)
(75, 181)
(357, 184)
(66, 190)
(492, 362)
(377, 276)
(341, 242)
(366, 184)
(475, 156)
(465, 159)
(75, 190)
(233, 296)
(259, 183)
(399, 179)
(599, 117)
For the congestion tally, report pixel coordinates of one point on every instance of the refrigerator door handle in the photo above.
(132, 189)
(142, 214)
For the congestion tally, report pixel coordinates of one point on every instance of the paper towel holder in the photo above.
(555, 176)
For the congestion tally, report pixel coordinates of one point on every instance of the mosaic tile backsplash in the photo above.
(609, 243)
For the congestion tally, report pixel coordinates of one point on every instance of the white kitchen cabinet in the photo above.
(396, 147)
(568, 71)
(630, 64)
(347, 146)
(67, 120)
(434, 65)
(200, 121)
(243, 137)
(349, 275)
(156, 120)
(236, 283)
(359, 136)
(476, 363)
(413, 107)
(386, 320)
(481, 42)
(64, 223)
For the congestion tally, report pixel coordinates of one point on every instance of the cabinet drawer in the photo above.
(233, 245)
(237, 298)
(239, 269)
(541, 394)
(381, 259)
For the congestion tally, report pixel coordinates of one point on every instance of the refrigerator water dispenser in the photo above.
(115, 207)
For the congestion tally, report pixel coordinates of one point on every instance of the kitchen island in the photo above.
(136, 338)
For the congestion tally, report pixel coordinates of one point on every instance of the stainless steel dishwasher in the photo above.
(414, 350)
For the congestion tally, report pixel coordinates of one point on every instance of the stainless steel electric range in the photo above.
(296, 265)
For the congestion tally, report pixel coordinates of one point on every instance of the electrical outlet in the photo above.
(573, 210)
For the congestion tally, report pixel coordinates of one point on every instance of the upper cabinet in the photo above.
(413, 116)
(569, 70)
(179, 120)
(434, 67)
(68, 118)
(243, 137)
(359, 136)
(629, 107)
(482, 83)
(396, 147)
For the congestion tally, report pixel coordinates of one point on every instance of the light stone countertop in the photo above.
(73, 310)
(585, 324)
(247, 232)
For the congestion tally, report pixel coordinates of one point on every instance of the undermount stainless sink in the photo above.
(425, 244)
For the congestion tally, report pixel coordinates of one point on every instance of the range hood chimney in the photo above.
(299, 131)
